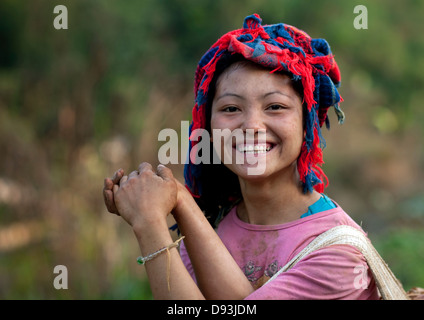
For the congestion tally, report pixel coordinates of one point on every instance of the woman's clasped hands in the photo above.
(142, 198)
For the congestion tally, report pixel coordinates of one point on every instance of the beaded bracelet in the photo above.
(143, 260)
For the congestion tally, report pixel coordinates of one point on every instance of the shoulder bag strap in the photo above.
(388, 286)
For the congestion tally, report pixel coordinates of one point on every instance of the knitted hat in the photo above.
(278, 47)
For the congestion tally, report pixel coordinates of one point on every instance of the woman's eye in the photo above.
(230, 109)
(275, 107)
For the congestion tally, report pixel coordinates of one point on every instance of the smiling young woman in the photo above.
(275, 84)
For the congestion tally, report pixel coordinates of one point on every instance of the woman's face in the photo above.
(267, 111)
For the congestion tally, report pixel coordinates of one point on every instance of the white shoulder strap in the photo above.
(388, 285)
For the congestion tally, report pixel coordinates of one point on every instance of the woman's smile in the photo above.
(254, 148)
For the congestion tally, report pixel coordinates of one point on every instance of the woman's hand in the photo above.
(143, 199)
(108, 190)
(183, 194)
(144, 196)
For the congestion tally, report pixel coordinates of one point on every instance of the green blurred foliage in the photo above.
(403, 251)
(77, 104)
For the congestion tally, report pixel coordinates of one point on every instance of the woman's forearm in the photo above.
(217, 273)
(139, 199)
(167, 274)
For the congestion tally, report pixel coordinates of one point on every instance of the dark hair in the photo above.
(220, 186)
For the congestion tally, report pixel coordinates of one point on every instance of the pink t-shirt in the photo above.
(335, 272)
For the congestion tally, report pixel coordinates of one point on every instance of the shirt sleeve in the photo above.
(332, 273)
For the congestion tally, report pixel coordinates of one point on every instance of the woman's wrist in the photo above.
(187, 207)
(184, 202)
(152, 237)
(153, 224)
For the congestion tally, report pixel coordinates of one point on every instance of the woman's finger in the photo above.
(123, 179)
(109, 201)
(144, 167)
(117, 176)
(133, 174)
(108, 184)
(108, 196)
(165, 173)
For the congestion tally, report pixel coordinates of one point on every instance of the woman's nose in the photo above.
(253, 121)
(253, 127)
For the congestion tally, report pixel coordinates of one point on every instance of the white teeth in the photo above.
(253, 148)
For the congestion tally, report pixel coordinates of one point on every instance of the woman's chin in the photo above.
(253, 172)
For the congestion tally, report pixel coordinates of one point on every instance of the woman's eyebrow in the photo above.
(230, 94)
(276, 92)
